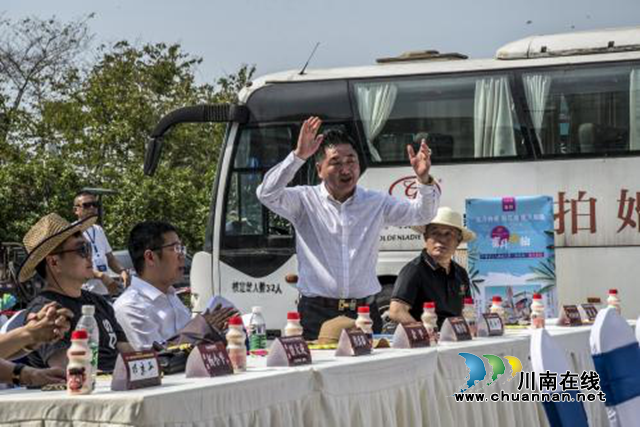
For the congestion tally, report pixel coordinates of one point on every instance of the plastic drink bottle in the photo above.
(293, 327)
(79, 378)
(537, 312)
(496, 307)
(430, 320)
(235, 345)
(613, 300)
(364, 322)
(257, 332)
(89, 324)
(470, 316)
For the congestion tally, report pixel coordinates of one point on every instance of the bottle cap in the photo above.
(430, 304)
(236, 321)
(497, 298)
(89, 310)
(468, 300)
(537, 296)
(363, 309)
(293, 315)
(79, 334)
(256, 309)
(613, 292)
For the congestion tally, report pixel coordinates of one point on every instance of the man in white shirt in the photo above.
(86, 205)
(149, 310)
(338, 223)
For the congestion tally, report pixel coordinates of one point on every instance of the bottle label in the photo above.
(238, 357)
(94, 355)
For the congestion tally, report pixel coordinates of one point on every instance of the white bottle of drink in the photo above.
(430, 320)
(470, 315)
(364, 322)
(496, 307)
(537, 312)
(293, 327)
(89, 324)
(257, 332)
(235, 345)
(79, 379)
(613, 300)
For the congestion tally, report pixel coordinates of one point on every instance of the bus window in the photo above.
(584, 111)
(466, 117)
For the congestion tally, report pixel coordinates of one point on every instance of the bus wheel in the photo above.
(383, 299)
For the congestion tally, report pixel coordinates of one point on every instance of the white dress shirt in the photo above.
(337, 243)
(147, 314)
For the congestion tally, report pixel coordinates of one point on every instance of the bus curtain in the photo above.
(494, 135)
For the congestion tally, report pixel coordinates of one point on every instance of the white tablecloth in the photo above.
(389, 388)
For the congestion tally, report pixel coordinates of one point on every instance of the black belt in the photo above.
(343, 304)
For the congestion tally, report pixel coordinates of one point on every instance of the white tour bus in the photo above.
(550, 115)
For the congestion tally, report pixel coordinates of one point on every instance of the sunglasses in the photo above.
(84, 251)
(88, 205)
(178, 248)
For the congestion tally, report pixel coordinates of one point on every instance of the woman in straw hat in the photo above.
(434, 275)
(59, 253)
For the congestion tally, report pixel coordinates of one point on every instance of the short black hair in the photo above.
(333, 138)
(146, 235)
(84, 193)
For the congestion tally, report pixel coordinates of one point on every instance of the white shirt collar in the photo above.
(325, 193)
(147, 289)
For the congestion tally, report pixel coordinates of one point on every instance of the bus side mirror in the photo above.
(219, 113)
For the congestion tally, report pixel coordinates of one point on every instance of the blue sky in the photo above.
(276, 35)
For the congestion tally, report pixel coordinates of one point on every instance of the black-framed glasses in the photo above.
(84, 251)
(178, 248)
(88, 205)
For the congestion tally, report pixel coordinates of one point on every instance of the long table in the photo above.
(388, 388)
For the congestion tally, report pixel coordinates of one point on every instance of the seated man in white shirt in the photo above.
(149, 310)
(338, 223)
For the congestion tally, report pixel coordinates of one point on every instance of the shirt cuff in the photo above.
(429, 188)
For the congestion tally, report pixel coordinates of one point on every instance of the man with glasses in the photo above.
(85, 205)
(149, 310)
(434, 276)
(59, 253)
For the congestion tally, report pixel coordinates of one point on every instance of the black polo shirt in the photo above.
(423, 280)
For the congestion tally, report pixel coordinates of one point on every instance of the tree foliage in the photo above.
(88, 127)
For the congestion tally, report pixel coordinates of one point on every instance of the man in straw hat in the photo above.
(338, 223)
(434, 276)
(59, 253)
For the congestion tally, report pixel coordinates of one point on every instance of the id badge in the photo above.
(102, 268)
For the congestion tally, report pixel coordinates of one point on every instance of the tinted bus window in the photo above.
(470, 117)
(584, 111)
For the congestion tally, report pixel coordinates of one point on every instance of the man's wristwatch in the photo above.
(17, 370)
(430, 181)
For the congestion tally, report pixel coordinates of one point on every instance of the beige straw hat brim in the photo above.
(449, 217)
(46, 235)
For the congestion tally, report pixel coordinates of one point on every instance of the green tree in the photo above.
(90, 128)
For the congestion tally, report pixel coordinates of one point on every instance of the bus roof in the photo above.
(559, 49)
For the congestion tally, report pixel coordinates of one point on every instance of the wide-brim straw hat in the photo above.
(331, 329)
(46, 235)
(447, 216)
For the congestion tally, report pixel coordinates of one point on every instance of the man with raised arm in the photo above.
(338, 223)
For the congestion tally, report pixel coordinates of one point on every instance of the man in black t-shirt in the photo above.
(434, 276)
(62, 257)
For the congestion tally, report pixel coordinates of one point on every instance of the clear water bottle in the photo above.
(88, 323)
(257, 332)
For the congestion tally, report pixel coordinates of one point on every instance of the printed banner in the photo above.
(513, 253)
